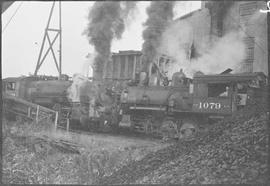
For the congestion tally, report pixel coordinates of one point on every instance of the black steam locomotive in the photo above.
(187, 105)
(172, 109)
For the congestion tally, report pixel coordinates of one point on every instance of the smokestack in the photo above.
(106, 22)
(160, 14)
(218, 10)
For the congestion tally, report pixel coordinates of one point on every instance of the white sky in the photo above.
(22, 38)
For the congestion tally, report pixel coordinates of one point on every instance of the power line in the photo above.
(12, 16)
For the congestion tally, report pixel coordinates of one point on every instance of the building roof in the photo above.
(187, 15)
(127, 52)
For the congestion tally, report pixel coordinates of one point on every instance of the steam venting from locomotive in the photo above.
(106, 22)
(208, 57)
(89, 62)
(160, 14)
(74, 90)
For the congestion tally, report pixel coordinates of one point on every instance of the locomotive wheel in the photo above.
(188, 130)
(169, 130)
(148, 126)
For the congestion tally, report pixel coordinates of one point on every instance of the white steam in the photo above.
(227, 52)
(215, 57)
(74, 90)
(87, 68)
(80, 83)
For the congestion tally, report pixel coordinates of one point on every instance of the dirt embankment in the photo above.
(232, 151)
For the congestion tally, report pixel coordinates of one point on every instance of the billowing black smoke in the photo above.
(106, 22)
(218, 10)
(160, 14)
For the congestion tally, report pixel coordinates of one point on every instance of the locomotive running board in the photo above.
(147, 108)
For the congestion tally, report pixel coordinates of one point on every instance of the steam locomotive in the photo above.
(171, 109)
(182, 108)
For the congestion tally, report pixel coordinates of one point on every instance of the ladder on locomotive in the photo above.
(64, 118)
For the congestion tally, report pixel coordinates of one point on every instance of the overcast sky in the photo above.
(22, 38)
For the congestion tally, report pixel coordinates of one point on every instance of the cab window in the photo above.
(218, 90)
(11, 86)
(241, 88)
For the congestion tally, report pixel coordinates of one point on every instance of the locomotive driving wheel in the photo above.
(169, 130)
(188, 130)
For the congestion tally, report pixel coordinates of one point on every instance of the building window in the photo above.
(246, 10)
(11, 86)
(249, 43)
(130, 66)
(138, 63)
(123, 66)
(109, 70)
(115, 68)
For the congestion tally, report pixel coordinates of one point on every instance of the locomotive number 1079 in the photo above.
(206, 105)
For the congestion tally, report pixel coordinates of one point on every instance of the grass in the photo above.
(26, 162)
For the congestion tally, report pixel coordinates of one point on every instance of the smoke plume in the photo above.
(226, 52)
(129, 9)
(106, 22)
(218, 9)
(160, 14)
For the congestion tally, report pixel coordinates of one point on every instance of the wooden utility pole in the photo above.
(268, 32)
(268, 48)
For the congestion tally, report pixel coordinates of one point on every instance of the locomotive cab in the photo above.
(222, 94)
(16, 86)
(9, 86)
(45, 91)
